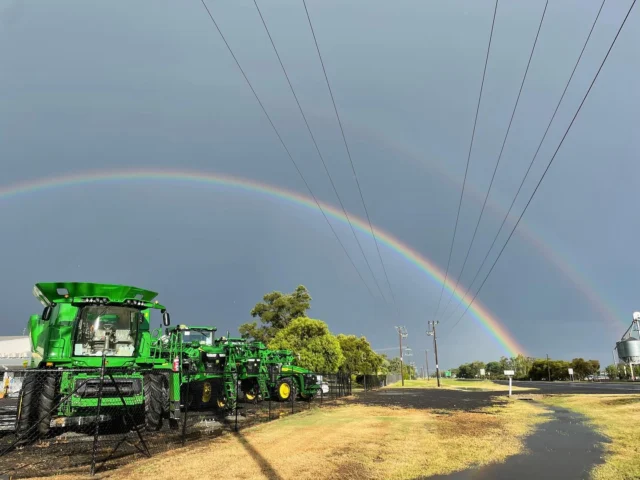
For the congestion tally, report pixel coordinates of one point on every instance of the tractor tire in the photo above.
(27, 413)
(285, 388)
(165, 396)
(47, 404)
(153, 402)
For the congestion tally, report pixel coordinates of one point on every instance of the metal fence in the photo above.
(86, 421)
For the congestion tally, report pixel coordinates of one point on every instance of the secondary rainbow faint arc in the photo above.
(560, 261)
(488, 321)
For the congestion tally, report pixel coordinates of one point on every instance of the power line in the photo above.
(285, 146)
(548, 165)
(533, 159)
(335, 190)
(344, 138)
(495, 169)
(464, 183)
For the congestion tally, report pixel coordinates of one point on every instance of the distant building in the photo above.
(14, 351)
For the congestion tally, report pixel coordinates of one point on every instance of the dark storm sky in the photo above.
(117, 85)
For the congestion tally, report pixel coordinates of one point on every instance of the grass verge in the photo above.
(353, 442)
(459, 384)
(615, 416)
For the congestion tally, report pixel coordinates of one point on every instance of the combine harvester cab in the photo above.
(203, 370)
(82, 325)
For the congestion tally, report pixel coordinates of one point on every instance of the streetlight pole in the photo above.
(433, 324)
(402, 333)
(548, 368)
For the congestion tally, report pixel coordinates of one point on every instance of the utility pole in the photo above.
(433, 324)
(426, 357)
(548, 367)
(402, 333)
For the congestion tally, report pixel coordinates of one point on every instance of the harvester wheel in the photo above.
(27, 409)
(153, 401)
(47, 404)
(285, 389)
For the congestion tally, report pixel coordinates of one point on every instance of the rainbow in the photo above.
(560, 260)
(480, 313)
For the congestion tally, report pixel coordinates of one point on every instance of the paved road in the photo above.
(580, 387)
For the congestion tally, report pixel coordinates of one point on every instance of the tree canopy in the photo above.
(358, 355)
(318, 349)
(276, 312)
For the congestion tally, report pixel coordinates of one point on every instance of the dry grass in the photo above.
(615, 416)
(456, 384)
(352, 442)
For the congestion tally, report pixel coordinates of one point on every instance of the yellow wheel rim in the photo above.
(206, 392)
(285, 390)
(250, 396)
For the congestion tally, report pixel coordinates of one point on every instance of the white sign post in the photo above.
(509, 373)
(571, 373)
(482, 372)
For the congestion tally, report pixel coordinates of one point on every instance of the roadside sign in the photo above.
(482, 372)
(510, 374)
(571, 371)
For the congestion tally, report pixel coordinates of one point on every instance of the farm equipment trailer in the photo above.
(82, 326)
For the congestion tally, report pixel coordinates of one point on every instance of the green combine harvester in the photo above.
(82, 325)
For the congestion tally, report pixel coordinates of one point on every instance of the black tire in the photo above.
(281, 395)
(153, 402)
(165, 396)
(27, 413)
(47, 404)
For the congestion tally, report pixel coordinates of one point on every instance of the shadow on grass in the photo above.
(264, 464)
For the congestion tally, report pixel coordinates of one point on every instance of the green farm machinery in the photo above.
(204, 371)
(215, 373)
(86, 329)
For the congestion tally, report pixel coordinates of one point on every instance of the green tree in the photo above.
(359, 357)
(318, 348)
(276, 311)
(594, 367)
(470, 370)
(394, 365)
(494, 369)
(383, 369)
(612, 372)
(581, 369)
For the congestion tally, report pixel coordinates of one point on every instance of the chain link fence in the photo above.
(85, 421)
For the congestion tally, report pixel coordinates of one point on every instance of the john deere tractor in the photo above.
(82, 326)
(204, 370)
(273, 374)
